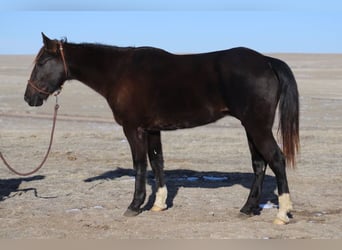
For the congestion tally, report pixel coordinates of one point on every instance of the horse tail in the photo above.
(288, 110)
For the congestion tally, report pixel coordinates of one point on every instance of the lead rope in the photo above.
(48, 150)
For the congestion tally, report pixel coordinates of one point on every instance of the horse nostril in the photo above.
(37, 101)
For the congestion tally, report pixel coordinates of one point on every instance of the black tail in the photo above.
(288, 110)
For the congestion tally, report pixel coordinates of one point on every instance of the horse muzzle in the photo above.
(34, 100)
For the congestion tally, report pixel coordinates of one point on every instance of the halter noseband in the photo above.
(31, 83)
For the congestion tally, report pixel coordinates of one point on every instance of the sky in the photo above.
(179, 26)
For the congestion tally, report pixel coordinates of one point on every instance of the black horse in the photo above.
(150, 90)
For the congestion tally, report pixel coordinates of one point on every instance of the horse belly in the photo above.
(188, 119)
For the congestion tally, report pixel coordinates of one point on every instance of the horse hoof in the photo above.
(157, 208)
(131, 213)
(249, 211)
(246, 212)
(278, 221)
(243, 215)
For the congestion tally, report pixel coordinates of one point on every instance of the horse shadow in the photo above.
(184, 178)
(10, 187)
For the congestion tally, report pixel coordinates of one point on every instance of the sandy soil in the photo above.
(87, 183)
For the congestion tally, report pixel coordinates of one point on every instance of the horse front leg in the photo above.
(155, 155)
(137, 139)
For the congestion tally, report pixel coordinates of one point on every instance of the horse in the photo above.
(150, 90)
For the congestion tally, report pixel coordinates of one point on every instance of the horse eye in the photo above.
(42, 62)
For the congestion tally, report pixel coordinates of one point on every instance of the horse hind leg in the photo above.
(265, 143)
(251, 206)
(155, 155)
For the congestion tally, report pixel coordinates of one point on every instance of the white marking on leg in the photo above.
(160, 202)
(285, 206)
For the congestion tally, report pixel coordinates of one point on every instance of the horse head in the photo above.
(49, 72)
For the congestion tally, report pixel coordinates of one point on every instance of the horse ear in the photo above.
(49, 45)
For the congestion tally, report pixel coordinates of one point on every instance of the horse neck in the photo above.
(94, 66)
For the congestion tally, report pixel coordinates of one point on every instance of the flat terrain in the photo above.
(87, 182)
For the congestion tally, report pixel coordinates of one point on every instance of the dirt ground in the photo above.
(87, 182)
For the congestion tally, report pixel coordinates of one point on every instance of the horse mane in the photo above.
(110, 48)
(104, 46)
